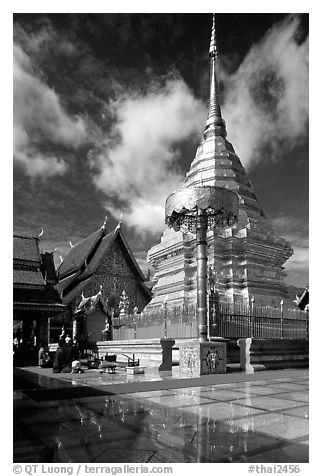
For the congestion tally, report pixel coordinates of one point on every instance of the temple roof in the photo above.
(34, 275)
(28, 277)
(79, 252)
(303, 301)
(26, 248)
(84, 258)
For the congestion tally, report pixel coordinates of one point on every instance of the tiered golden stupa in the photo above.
(247, 260)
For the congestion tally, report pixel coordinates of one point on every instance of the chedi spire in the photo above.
(215, 125)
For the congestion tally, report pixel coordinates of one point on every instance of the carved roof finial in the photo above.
(71, 244)
(119, 223)
(41, 233)
(104, 224)
(215, 125)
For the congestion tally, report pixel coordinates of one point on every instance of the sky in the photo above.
(110, 108)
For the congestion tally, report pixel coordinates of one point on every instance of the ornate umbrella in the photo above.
(198, 209)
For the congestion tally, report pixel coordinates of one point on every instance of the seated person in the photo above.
(43, 356)
(59, 359)
(76, 367)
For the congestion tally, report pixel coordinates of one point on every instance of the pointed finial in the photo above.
(71, 244)
(55, 250)
(41, 233)
(215, 125)
(213, 43)
(104, 224)
(119, 223)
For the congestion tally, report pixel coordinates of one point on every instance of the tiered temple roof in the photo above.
(81, 264)
(34, 277)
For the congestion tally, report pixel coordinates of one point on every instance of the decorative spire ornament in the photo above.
(119, 223)
(104, 224)
(41, 233)
(215, 125)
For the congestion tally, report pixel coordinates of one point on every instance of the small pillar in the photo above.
(167, 345)
(202, 358)
(244, 346)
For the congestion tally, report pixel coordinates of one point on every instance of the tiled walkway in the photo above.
(160, 418)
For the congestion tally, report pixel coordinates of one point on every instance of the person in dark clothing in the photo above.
(59, 359)
(68, 355)
(75, 350)
(43, 356)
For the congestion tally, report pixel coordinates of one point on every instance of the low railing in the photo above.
(230, 321)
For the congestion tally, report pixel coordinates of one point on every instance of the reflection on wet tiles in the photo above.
(287, 386)
(259, 390)
(217, 394)
(225, 410)
(114, 455)
(226, 444)
(191, 390)
(151, 393)
(267, 402)
(284, 454)
(176, 400)
(298, 396)
(274, 424)
(172, 425)
(302, 412)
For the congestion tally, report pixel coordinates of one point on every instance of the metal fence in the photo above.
(229, 320)
(263, 322)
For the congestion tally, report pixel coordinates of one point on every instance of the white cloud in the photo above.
(140, 167)
(266, 99)
(39, 118)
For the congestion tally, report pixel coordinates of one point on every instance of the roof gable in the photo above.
(90, 258)
(114, 236)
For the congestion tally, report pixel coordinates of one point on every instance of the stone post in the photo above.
(245, 345)
(167, 345)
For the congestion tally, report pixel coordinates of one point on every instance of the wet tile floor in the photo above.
(161, 418)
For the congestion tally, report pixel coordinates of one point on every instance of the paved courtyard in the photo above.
(160, 417)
